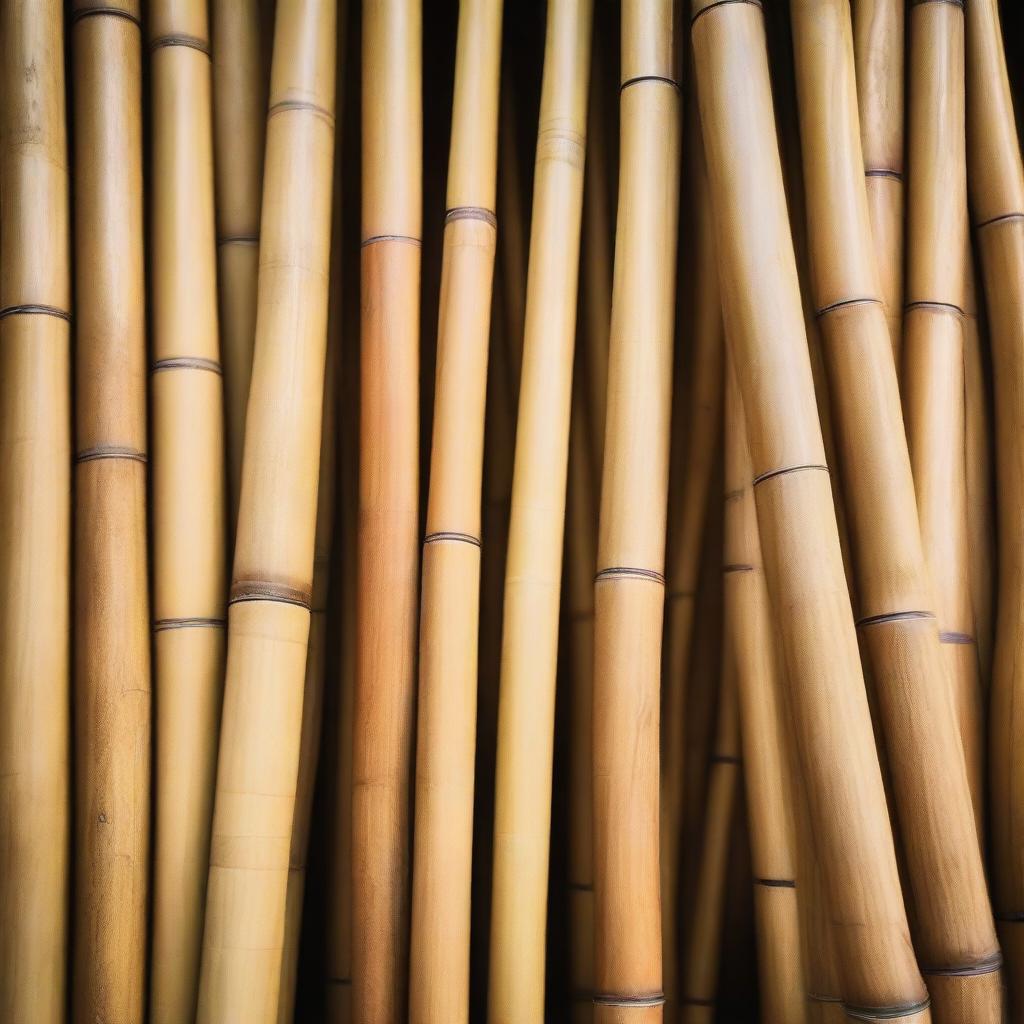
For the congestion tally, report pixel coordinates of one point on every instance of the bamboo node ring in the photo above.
(614, 999)
(776, 883)
(373, 239)
(951, 636)
(988, 965)
(113, 12)
(723, 3)
(737, 568)
(110, 451)
(937, 307)
(883, 172)
(762, 477)
(267, 590)
(162, 625)
(181, 39)
(875, 620)
(843, 303)
(886, 1012)
(239, 240)
(1001, 218)
(952, 3)
(471, 213)
(624, 572)
(187, 363)
(451, 535)
(29, 308)
(285, 105)
(649, 78)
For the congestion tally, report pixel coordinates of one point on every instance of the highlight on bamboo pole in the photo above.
(270, 596)
(111, 597)
(803, 567)
(526, 698)
(630, 584)
(954, 932)
(35, 515)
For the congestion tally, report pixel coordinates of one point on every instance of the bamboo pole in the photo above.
(112, 644)
(388, 506)
(629, 587)
(35, 511)
(270, 599)
(513, 239)
(954, 931)
(764, 325)
(526, 703)
(188, 499)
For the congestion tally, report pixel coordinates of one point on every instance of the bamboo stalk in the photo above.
(629, 588)
(764, 325)
(388, 506)
(269, 605)
(954, 932)
(35, 511)
(513, 239)
(526, 703)
(188, 499)
(112, 644)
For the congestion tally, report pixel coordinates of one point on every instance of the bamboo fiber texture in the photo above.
(767, 340)
(526, 701)
(35, 508)
(630, 584)
(112, 642)
(270, 597)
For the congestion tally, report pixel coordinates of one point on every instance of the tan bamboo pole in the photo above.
(35, 515)
(270, 597)
(526, 700)
(112, 643)
(513, 239)
(188, 498)
(446, 727)
(629, 586)
(764, 325)
(996, 180)
(388, 506)
(878, 50)
(954, 931)
(933, 355)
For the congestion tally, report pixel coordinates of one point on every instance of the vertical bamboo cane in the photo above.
(513, 240)
(112, 652)
(764, 325)
(271, 587)
(388, 506)
(629, 588)
(526, 701)
(35, 508)
(956, 942)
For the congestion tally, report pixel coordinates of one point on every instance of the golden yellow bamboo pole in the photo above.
(188, 499)
(270, 597)
(35, 515)
(954, 931)
(112, 643)
(767, 341)
(513, 239)
(629, 586)
(526, 700)
(383, 721)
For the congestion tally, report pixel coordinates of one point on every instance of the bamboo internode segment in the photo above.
(764, 325)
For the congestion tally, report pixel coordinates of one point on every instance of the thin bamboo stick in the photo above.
(526, 701)
(274, 555)
(629, 588)
(112, 644)
(388, 506)
(764, 325)
(954, 931)
(35, 515)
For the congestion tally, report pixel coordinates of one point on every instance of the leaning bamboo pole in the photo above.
(630, 585)
(35, 514)
(189, 565)
(270, 598)
(954, 931)
(526, 699)
(383, 712)
(767, 341)
(513, 239)
(112, 643)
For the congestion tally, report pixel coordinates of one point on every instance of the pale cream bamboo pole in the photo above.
(35, 514)
(112, 642)
(383, 711)
(630, 584)
(514, 237)
(764, 326)
(270, 597)
(526, 699)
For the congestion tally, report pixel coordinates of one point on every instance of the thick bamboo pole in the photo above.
(35, 514)
(112, 643)
(188, 498)
(270, 599)
(630, 585)
(383, 721)
(764, 325)
(526, 701)
(954, 931)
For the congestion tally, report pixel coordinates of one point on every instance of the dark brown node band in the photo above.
(268, 590)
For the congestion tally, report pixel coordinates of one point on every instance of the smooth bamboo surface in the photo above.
(767, 340)
(35, 515)
(270, 597)
(513, 239)
(112, 641)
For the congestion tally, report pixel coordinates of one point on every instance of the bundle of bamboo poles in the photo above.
(511, 512)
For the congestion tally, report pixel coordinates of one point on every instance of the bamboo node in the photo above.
(649, 78)
(285, 105)
(843, 303)
(987, 965)
(29, 308)
(737, 568)
(621, 999)
(451, 535)
(471, 213)
(162, 625)
(874, 620)
(950, 636)
(186, 363)
(1000, 219)
(734, 495)
(723, 3)
(268, 590)
(776, 883)
(180, 39)
(762, 477)
(883, 172)
(928, 304)
(886, 1012)
(238, 240)
(622, 572)
(373, 239)
(113, 12)
(110, 451)
(952, 3)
